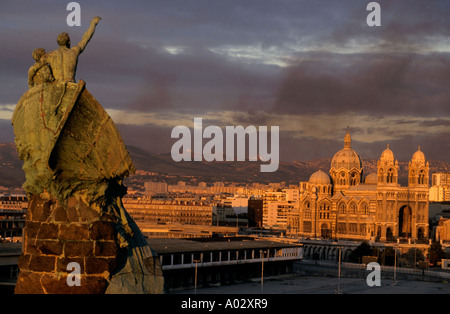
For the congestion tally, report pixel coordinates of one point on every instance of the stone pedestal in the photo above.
(56, 235)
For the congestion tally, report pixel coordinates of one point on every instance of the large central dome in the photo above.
(346, 158)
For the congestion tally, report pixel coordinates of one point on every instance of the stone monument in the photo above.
(74, 161)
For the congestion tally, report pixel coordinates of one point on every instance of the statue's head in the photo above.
(63, 40)
(38, 53)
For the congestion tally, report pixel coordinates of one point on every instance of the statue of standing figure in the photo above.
(64, 60)
(74, 161)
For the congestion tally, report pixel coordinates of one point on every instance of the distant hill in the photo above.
(11, 173)
(289, 172)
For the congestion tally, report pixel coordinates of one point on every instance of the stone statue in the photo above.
(74, 161)
(43, 74)
(64, 60)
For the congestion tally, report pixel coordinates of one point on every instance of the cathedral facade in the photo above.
(348, 204)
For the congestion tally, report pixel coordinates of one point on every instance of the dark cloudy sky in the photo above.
(310, 67)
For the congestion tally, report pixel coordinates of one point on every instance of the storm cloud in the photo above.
(311, 67)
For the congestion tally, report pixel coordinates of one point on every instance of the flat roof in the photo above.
(177, 245)
(8, 248)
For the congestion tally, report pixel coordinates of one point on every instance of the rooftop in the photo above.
(171, 245)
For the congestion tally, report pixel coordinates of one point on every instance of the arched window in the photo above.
(354, 178)
(422, 177)
(342, 208)
(352, 208)
(307, 210)
(364, 209)
(342, 178)
(390, 176)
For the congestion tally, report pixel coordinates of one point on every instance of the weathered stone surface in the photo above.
(40, 211)
(79, 248)
(62, 262)
(57, 284)
(30, 247)
(100, 265)
(29, 283)
(48, 231)
(23, 261)
(72, 214)
(42, 263)
(74, 231)
(60, 214)
(31, 229)
(105, 249)
(49, 247)
(103, 230)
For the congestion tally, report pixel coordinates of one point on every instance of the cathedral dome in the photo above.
(418, 156)
(371, 179)
(346, 158)
(387, 155)
(319, 177)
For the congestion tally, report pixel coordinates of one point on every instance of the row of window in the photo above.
(217, 256)
(324, 209)
(342, 228)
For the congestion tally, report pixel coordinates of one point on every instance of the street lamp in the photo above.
(415, 254)
(195, 279)
(261, 253)
(394, 282)
(339, 291)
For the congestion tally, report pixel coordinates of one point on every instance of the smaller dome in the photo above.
(371, 179)
(418, 156)
(320, 177)
(387, 155)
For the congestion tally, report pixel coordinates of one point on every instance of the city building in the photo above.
(223, 260)
(12, 216)
(348, 204)
(9, 270)
(255, 211)
(154, 188)
(227, 216)
(277, 205)
(440, 187)
(176, 230)
(443, 230)
(169, 211)
(202, 188)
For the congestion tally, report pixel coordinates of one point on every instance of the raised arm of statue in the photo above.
(88, 34)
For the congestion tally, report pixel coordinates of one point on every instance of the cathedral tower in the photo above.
(387, 169)
(419, 171)
(346, 167)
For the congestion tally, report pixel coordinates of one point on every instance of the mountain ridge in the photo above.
(11, 173)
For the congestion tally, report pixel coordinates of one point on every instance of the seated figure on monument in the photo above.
(44, 74)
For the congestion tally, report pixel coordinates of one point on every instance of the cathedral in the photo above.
(348, 204)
